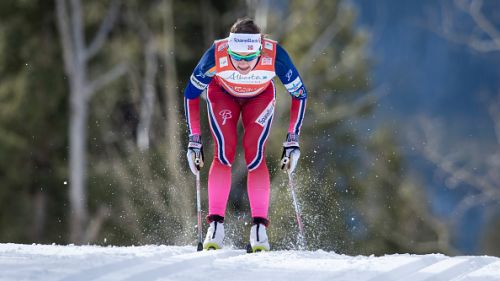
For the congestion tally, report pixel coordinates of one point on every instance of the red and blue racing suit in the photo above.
(257, 111)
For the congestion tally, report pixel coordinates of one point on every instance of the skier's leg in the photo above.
(223, 114)
(258, 188)
(219, 185)
(257, 115)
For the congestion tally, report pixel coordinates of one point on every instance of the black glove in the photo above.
(195, 153)
(291, 153)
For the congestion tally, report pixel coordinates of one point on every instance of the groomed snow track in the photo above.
(148, 263)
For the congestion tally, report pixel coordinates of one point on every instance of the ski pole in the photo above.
(198, 206)
(291, 185)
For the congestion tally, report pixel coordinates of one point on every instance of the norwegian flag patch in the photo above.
(267, 61)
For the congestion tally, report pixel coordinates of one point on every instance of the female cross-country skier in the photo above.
(238, 73)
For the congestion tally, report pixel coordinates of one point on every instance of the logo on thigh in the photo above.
(266, 114)
(225, 114)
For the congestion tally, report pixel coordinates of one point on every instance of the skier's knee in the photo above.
(256, 164)
(225, 162)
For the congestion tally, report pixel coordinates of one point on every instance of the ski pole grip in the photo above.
(284, 162)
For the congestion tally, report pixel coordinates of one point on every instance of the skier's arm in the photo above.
(198, 82)
(292, 81)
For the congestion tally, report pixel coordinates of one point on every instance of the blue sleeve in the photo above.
(202, 74)
(289, 75)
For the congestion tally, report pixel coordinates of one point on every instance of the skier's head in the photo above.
(245, 25)
(244, 45)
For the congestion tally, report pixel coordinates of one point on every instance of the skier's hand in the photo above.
(195, 153)
(291, 153)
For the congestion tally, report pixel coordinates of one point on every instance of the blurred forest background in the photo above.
(400, 146)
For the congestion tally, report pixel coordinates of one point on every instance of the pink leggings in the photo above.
(257, 114)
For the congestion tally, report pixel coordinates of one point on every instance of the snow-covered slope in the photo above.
(146, 263)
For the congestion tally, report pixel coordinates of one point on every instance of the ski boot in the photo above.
(258, 236)
(215, 233)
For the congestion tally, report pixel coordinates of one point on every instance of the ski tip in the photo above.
(255, 249)
(200, 247)
(211, 246)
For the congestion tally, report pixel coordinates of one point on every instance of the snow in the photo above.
(146, 263)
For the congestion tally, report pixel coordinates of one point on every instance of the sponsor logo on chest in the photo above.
(222, 46)
(223, 61)
(241, 89)
(253, 78)
(268, 45)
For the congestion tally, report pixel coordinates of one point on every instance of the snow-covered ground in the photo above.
(147, 263)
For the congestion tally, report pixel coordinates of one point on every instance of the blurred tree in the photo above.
(77, 55)
(474, 24)
(32, 120)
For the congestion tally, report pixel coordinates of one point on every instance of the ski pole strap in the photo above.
(292, 140)
(195, 141)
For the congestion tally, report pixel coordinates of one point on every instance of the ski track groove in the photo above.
(470, 275)
(472, 266)
(150, 268)
(450, 272)
(447, 270)
(182, 263)
(401, 272)
(96, 272)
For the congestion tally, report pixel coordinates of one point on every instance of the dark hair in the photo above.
(245, 25)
